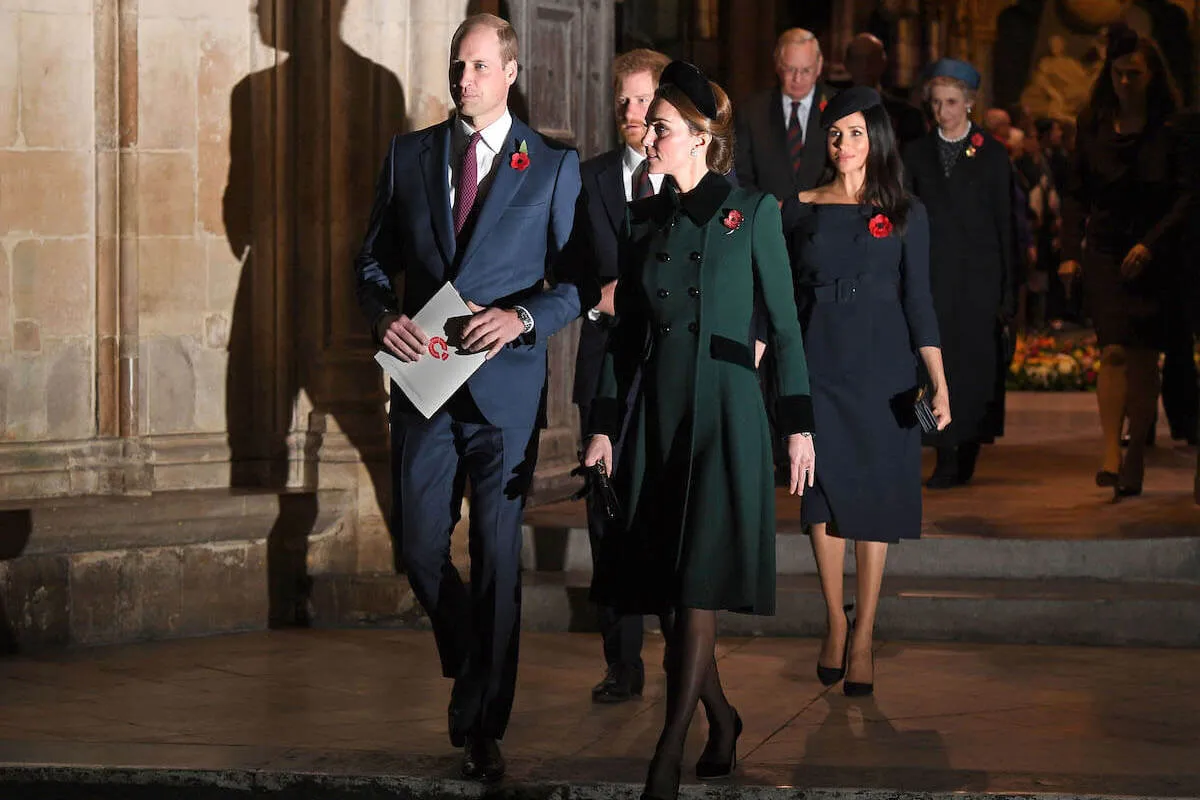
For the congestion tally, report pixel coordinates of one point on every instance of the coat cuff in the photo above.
(794, 414)
(605, 417)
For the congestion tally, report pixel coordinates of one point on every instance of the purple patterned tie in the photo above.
(468, 185)
(795, 137)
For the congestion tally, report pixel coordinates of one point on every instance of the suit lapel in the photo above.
(610, 184)
(504, 186)
(435, 165)
(778, 127)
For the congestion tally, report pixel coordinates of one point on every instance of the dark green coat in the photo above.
(695, 475)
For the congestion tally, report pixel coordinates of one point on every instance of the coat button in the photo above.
(693, 291)
(694, 327)
(664, 294)
(664, 329)
(664, 257)
(695, 256)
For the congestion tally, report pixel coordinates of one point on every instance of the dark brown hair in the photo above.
(1162, 98)
(720, 130)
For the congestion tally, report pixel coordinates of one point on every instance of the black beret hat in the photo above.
(847, 101)
(691, 81)
(1122, 40)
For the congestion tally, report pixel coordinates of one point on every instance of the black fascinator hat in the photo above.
(688, 79)
(847, 101)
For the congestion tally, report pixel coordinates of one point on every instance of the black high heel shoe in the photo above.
(828, 676)
(715, 770)
(856, 689)
(1106, 479)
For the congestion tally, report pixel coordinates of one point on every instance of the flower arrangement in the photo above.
(1044, 363)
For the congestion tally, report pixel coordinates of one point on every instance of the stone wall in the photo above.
(182, 186)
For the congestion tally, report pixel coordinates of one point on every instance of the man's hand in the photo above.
(490, 329)
(607, 304)
(402, 337)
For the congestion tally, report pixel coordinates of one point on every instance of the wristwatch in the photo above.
(525, 317)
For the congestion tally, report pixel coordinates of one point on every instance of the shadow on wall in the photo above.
(15, 529)
(308, 135)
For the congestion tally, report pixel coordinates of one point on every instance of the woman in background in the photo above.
(964, 178)
(1125, 194)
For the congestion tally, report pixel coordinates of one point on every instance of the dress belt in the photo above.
(848, 290)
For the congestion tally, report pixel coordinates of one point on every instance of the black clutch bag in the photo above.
(598, 489)
(925, 411)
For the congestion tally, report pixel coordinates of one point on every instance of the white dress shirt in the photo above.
(487, 152)
(630, 160)
(803, 112)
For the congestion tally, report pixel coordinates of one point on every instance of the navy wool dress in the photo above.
(865, 307)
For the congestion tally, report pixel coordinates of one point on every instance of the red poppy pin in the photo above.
(520, 159)
(880, 226)
(976, 143)
(732, 220)
(824, 102)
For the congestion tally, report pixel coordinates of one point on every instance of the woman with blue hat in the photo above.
(860, 260)
(695, 477)
(964, 178)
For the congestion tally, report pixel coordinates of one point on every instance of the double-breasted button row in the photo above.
(665, 328)
(663, 257)
(664, 293)
(694, 256)
(693, 291)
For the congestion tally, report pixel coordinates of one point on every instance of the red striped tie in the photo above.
(468, 185)
(795, 137)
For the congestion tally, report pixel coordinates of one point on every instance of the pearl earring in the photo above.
(693, 153)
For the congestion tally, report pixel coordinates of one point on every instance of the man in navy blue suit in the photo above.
(486, 203)
(610, 180)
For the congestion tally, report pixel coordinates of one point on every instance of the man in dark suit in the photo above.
(866, 61)
(484, 202)
(611, 180)
(779, 147)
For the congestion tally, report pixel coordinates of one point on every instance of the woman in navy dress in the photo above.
(860, 257)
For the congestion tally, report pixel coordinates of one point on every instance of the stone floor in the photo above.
(371, 705)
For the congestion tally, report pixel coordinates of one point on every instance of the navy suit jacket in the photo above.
(601, 209)
(519, 232)
(761, 153)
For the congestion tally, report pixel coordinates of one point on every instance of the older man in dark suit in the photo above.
(779, 146)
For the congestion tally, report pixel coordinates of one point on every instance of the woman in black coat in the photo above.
(860, 257)
(964, 178)
(1125, 195)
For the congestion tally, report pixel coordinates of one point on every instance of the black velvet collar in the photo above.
(700, 204)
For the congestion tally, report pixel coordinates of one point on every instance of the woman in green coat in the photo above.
(695, 480)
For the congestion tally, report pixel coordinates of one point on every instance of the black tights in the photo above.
(692, 678)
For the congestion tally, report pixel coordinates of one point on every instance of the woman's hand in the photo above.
(940, 403)
(803, 460)
(1068, 271)
(1135, 261)
(599, 449)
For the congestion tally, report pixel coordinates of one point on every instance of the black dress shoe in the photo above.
(945, 473)
(623, 682)
(711, 770)
(482, 759)
(1106, 479)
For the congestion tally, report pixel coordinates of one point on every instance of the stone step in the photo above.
(1030, 611)
(91, 524)
(84, 571)
(566, 549)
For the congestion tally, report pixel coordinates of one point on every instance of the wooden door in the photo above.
(563, 91)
